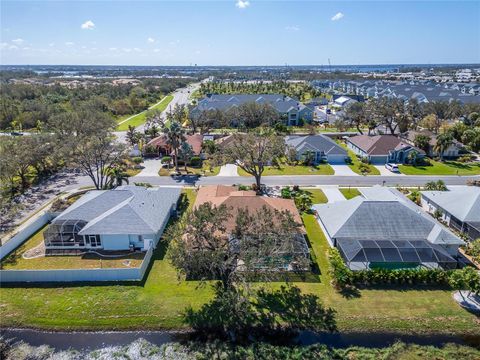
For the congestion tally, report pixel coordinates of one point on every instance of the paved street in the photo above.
(310, 180)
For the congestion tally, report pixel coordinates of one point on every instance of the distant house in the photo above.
(386, 234)
(323, 147)
(163, 148)
(318, 101)
(344, 101)
(459, 208)
(289, 109)
(453, 151)
(380, 149)
(126, 218)
(235, 200)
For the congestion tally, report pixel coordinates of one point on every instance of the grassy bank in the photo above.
(158, 303)
(139, 119)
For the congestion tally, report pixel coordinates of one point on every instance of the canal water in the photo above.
(83, 341)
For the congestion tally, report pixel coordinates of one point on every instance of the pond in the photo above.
(82, 341)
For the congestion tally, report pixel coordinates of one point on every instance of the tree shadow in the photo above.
(350, 292)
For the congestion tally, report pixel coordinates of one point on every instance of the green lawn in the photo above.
(355, 165)
(158, 303)
(139, 119)
(442, 168)
(15, 261)
(318, 197)
(323, 169)
(349, 193)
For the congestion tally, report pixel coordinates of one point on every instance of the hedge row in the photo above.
(343, 276)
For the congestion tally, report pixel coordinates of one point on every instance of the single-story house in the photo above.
(386, 234)
(235, 200)
(163, 148)
(126, 218)
(289, 109)
(453, 151)
(324, 148)
(459, 208)
(380, 149)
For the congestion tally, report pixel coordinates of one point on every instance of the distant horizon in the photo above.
(264, 65)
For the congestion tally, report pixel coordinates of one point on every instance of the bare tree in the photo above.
(97, 156)
(252, 152)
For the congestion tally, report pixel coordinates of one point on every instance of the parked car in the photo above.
(392, 167)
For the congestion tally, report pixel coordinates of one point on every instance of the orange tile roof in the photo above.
(234, 199)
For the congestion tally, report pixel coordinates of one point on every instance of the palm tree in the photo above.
(132, 135)
(175, 136)
(444, 141)
(186, 152)
(117, 176)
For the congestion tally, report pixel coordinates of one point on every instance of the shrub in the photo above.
(166, 159)
(364, 168)
(195, 161)
(348, 160)
(244, 187)
(343, 276)
(464, 159)
(137, 159)
(286, 193)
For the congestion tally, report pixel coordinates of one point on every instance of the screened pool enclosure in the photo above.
(64, 233)
(366, 254)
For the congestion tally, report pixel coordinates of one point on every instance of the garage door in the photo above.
(336, 159)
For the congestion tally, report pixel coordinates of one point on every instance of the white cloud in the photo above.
(69, 43)
(3, 45)
(150, 40)
(51, 44)
(337, 16)
(127, 50)
(292, 28)
(18, 41)
(112, 49)
(88, 25)
(137, 50)
(13, 47)
(242, 4)
(156, 50)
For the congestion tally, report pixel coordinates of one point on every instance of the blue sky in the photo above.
(239, 32)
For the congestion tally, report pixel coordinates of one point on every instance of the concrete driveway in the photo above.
(385, 172)
(343, 170)
(332, 193)
(228, 170)
(151, 167)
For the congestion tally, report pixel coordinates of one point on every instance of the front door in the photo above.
(93, 241)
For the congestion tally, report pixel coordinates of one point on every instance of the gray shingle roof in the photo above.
(226, 102)
(463, 202)
(320, 143)
(125, 210)
(363, 219)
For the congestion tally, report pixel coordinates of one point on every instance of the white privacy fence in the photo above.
(23, 235)
(71, 275)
